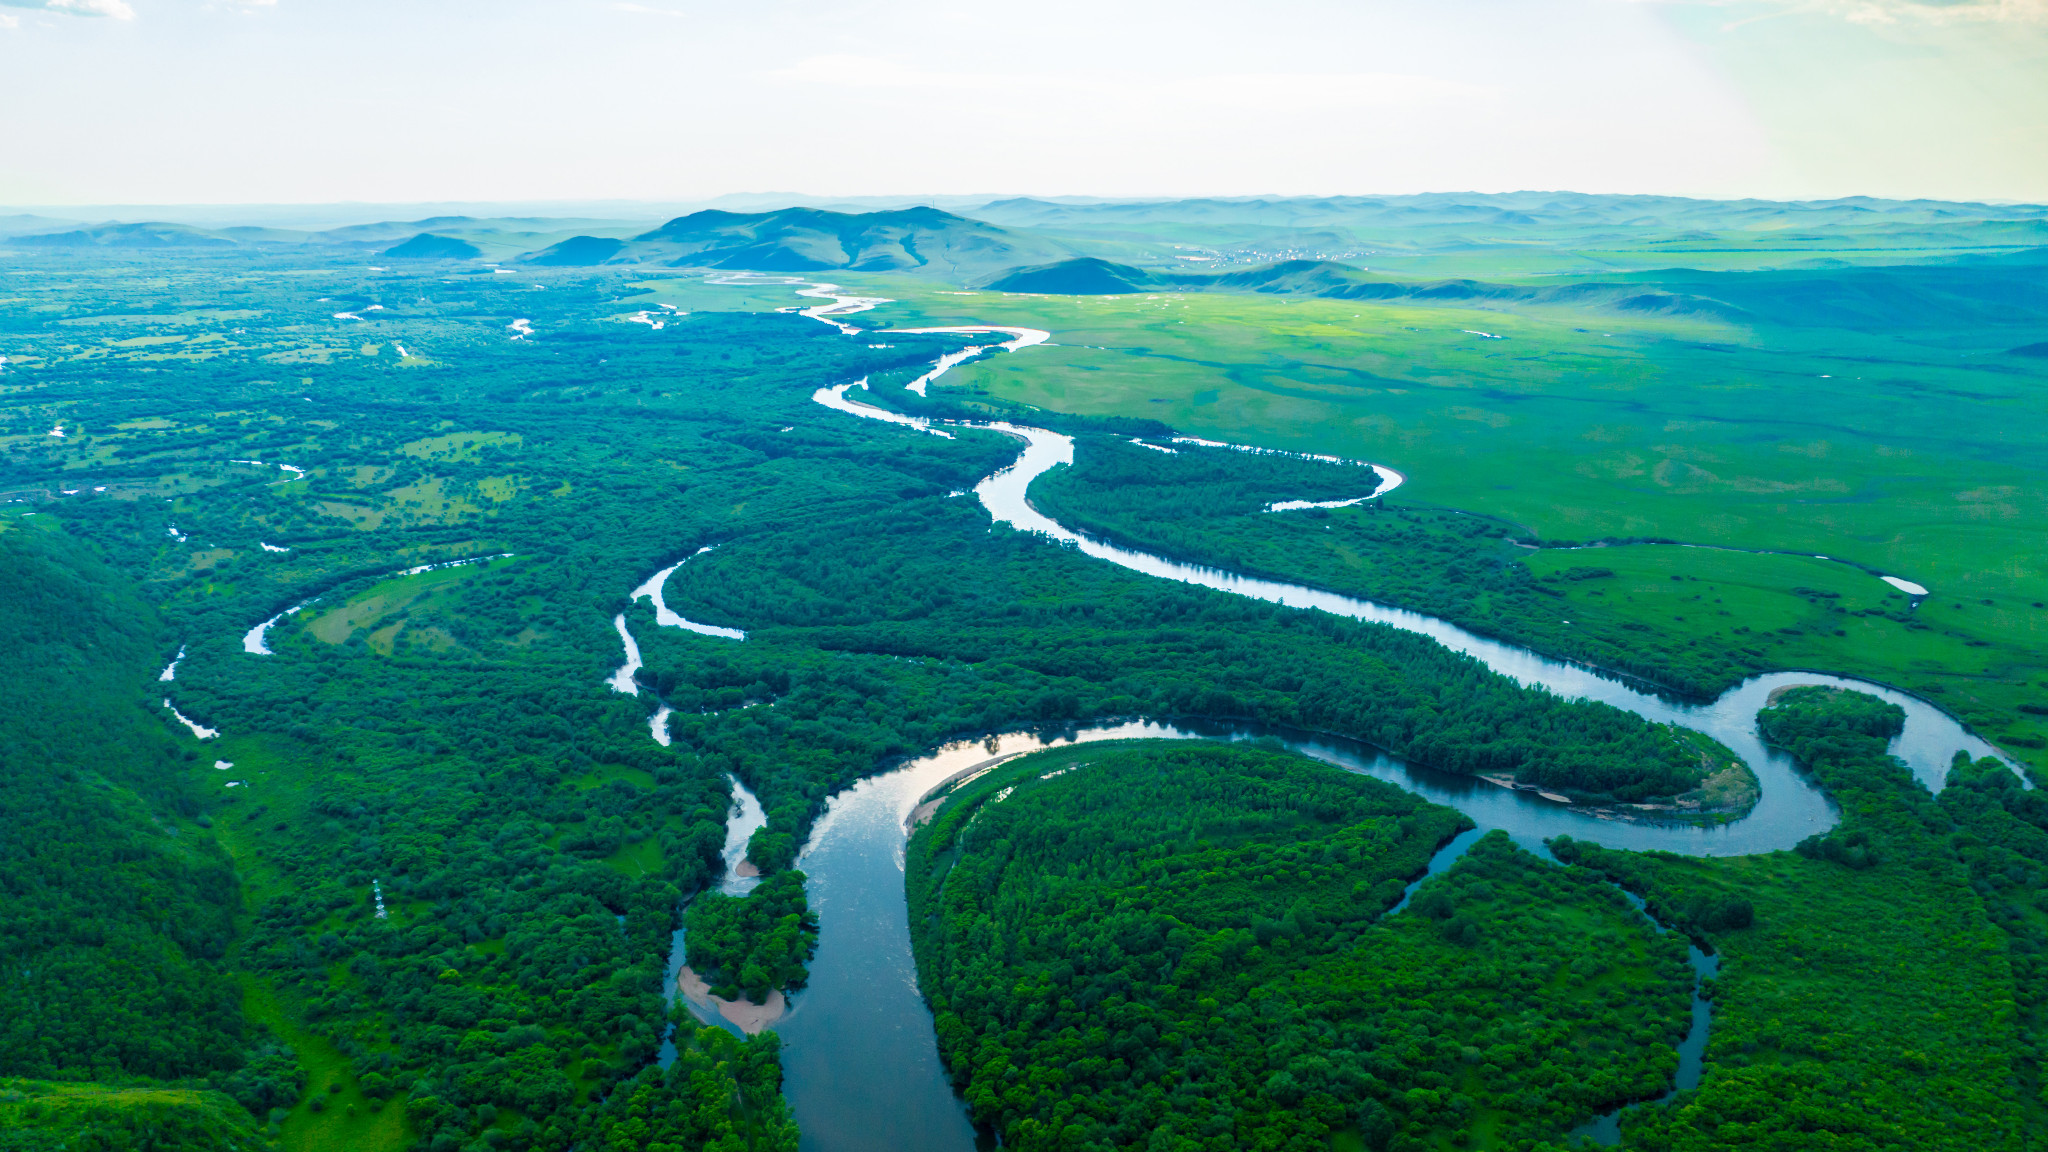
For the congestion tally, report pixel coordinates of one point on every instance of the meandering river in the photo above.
(861, 1060)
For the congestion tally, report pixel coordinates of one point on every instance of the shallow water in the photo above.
(745, 819)
(667, 618)
(1019, 338)
(256, 642)
(198, 730)
(621, 679)
(741, 821)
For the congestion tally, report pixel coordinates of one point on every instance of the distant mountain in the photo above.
(578, 251)
(427, 246)
(24, 223)
(144, 235)
(1087, 276)
(1904, 297)
(1311, 277)
(814, 240)
(1683, 217)
(385, 231)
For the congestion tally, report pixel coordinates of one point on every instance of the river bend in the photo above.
(861, 1061)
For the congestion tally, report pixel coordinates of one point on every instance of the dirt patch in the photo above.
(922, 814)
(1771, 701)
(745, 1015)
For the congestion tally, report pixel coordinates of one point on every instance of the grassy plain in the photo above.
(1913, 451)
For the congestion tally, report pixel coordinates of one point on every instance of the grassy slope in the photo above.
(41, 1115)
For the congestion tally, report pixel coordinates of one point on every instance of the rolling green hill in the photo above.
(811, 240)
(427, 246)
(1081, 276)
(578, 251)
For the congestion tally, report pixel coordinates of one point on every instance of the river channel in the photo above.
(862, 1069)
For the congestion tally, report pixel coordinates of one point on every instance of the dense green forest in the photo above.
(116, 901)
(753, 944)
(1182, 947)
(1865, 998)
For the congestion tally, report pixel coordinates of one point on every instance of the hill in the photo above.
(813, 240)
(1082, 276)
(143, 235)
(427, 246)
(578, 251)
(1515, 235)
(1864, 299)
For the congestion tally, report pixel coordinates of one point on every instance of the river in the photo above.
(861, 1061)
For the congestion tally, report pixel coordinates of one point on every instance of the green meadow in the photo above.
(1577, 424)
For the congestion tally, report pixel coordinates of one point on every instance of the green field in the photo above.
(1585, 424)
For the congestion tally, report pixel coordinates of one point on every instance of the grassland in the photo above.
(1915, 450)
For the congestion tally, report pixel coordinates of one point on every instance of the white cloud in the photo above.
(7, 21)
(116, 9)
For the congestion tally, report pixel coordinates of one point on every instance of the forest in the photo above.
(1876, 983)
(117, 904)
(754, 944)
(1185, 947)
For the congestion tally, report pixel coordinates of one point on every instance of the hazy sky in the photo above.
(246, 101)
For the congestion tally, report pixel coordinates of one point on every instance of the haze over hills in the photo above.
(1865, 299)
(1858, 263)
(811, 240)
(1436, 235)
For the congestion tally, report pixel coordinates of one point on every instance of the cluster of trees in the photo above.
(753, 944)
(2001, 836)
(1868, 997)
(1182, 947)
(1207, 506)
(721, 1093)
